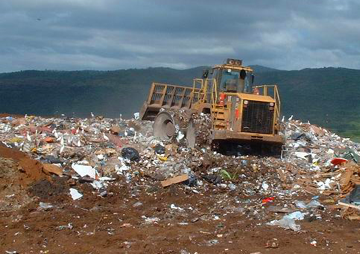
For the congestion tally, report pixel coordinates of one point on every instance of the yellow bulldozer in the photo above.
(240, 112)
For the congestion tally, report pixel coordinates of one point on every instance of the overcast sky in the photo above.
(122, 34)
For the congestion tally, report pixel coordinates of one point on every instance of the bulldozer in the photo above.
(240, 112)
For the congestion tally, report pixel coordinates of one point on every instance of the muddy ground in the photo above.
(146, 218)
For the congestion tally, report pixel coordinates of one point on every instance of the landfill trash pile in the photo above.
(94, 156)
(328, 164)
(97, 149)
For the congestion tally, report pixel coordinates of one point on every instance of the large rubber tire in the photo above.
(195, 127)
(164, 126)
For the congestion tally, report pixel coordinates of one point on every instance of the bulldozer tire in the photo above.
(164, 126)
(195, 127)
(168, 124)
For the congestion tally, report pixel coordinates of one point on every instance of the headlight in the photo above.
(246, 102)
(272, 104)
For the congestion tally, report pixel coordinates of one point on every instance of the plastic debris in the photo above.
(296, 215)
(267, 200)
(286, 223)
(338, 161)
(264, 186)
(162, 158)
(136, 116)
(151, 220)
(173, 206)
(130, 153)
(159, 149)
(180, 136)
(84, 170)
(311, 204)
(75, 194)
(213, 178)
(45, 206)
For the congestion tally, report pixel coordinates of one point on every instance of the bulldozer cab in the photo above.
(233, 77)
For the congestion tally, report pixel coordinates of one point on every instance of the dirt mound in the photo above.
(27, 170)
(12, 194)
(6, 152)
(17, 172)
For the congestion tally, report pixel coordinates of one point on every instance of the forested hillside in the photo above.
(329, 97)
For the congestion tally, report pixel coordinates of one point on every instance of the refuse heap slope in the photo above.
(97, 163)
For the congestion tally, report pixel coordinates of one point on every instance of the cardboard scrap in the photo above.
(346, 177)
(317, 130)
(349, 205)
(174, 180)
(115, 129)
(52, 169)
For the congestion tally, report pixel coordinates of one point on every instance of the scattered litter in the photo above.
(151, 220)
(159, 149)
(353, 199)
(213, 178)
(68, 226)
(267, 200)
(45, 206)
(173, 206)
(311, 204)
(130, 153)
(75, 194)
(296, 215)
(264, 186)
(338, 161)
(273, 243)
(286, 223)
(174, 180)
(84, 170)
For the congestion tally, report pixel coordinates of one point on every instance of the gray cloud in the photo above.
(110, 34)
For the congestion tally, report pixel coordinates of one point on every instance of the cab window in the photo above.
(227, 75)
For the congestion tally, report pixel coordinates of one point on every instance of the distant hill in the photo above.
(329, 97)
(262, 69)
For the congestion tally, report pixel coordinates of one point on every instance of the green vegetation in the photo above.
(328, 97)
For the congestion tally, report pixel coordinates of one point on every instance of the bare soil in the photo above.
(208, 223)
(143, 217)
